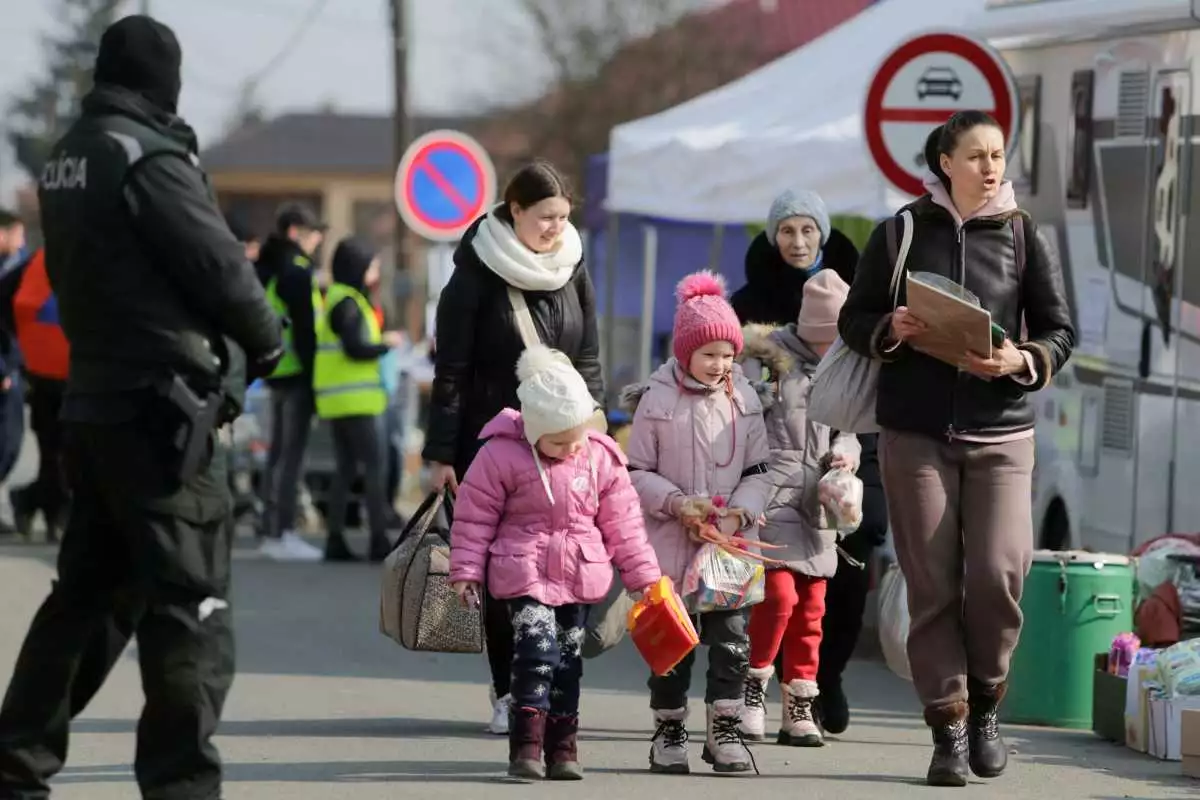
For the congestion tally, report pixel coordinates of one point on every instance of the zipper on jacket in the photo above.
(962, 281)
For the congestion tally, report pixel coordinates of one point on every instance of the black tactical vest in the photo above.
(125, 319)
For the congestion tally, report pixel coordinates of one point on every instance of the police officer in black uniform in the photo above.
(161, 308)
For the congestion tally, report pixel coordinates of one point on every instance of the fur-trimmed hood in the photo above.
(780, 350)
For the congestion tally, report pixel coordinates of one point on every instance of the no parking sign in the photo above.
(444, 182)
(922, 83)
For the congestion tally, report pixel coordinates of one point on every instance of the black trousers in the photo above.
(142, 555)
(48, 493)
(292, 409)
(12, 425)
(728, 663)
(358, 442)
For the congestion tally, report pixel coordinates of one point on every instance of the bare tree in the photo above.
(611, 61)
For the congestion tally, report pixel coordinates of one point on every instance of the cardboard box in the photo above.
(1108, 702)
(1137, 708)
(1190, 748)
(1166, 726)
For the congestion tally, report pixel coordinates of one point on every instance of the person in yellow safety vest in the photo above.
(349, 392)
(285, 267)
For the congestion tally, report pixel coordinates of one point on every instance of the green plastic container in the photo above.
(1074, 604)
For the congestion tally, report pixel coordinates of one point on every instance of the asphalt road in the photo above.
(325, 707)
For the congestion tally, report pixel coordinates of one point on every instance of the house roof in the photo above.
(318, 142)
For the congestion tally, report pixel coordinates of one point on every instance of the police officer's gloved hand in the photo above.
(263, 366)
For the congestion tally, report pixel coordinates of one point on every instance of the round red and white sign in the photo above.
(921, 84)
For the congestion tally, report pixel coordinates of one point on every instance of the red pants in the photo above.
(790, 617)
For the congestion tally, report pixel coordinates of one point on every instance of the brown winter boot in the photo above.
(989, 755)
(948, 767)
(526, 732)
(562, 751)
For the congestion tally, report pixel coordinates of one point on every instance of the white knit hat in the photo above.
(554, 397)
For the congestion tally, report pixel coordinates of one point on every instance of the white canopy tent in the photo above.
(795, 123)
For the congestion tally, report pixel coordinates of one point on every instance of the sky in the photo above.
(461, 57)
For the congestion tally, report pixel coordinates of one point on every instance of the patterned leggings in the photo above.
(547, 660)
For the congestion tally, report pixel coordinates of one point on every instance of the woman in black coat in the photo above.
(799, 242)
(525, 248)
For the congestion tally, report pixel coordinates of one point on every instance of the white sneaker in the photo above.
(668, 748)
(754, 704)
(799, 729)
(290, 547)
(500, 707)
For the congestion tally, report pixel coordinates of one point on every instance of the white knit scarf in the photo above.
(498, 247)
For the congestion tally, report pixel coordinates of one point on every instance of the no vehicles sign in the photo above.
(921, 84)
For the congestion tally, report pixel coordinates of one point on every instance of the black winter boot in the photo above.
(989, 754)
(832, 708)
(526, 735)
(336, 549)
(949, 765)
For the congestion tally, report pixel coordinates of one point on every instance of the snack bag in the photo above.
(718, 579)
(1179, 669)
(1121, 654)
(840, 493)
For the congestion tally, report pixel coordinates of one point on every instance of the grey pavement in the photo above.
(325, 707)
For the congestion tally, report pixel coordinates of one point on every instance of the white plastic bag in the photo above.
(894, 621)
(840, 493)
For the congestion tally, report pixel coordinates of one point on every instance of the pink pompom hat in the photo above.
(703, 316)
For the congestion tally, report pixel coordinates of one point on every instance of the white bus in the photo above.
(1107, 165)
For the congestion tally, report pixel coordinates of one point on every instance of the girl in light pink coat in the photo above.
(698, 433)
(543, 513)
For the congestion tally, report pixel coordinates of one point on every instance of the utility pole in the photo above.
(401, 135)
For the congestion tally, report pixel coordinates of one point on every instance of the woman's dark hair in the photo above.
(532, 184)
(944, 139)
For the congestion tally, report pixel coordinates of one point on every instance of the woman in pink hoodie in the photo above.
(544, 511)
(698, 433)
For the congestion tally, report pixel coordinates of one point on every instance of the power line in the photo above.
(297, 34)
(274, 10)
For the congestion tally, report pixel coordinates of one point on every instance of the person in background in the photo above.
(29, 311)
(350, 394)
(244, 502)
(285, 268)
(957, 440)
(244, 234)
(524, 250)
(12, 383)
(799, 243)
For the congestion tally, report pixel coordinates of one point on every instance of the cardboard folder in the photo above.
(956, 325)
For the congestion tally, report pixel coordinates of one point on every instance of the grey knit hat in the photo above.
(798, 204)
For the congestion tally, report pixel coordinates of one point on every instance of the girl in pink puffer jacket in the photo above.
(698, 432)
(543, 513)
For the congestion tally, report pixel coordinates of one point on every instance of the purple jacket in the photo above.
(560, 552)
(690, 440)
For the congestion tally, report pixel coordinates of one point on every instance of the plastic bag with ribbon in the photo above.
(723, 575)
(719, 579)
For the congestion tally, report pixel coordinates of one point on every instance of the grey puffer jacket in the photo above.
(799, 447)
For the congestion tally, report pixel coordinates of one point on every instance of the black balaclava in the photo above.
(142, 55)
(351, 260)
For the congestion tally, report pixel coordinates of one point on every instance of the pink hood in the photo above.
(1005, 200)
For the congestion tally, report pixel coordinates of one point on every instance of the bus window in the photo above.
(1080, 181)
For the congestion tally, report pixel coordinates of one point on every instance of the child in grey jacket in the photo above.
(802, 451)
